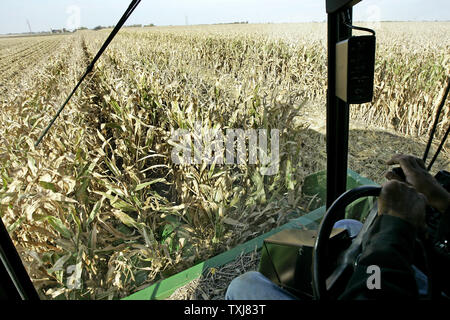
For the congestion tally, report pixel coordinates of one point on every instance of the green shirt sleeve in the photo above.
(390, 246)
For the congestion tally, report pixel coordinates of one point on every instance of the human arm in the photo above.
(389, 245)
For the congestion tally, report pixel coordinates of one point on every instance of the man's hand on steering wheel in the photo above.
(417, 176)
(400, 200)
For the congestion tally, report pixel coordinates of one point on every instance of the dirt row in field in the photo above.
(16, 60)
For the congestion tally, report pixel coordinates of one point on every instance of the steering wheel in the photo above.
(322, 285)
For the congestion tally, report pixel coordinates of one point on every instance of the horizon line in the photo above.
(216, 23)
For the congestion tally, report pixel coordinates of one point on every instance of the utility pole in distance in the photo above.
(29, 26)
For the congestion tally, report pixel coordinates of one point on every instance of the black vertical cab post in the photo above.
(15, 283)
(337, 109)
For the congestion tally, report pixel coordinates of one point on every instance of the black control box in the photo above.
(355, 64)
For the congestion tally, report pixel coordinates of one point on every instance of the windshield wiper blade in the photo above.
(89, 68)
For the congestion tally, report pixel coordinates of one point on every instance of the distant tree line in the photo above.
(236, 22)
(126, 26)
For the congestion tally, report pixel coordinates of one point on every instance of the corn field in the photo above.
(99, 210)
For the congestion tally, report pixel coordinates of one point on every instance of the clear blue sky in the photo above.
(46, 14)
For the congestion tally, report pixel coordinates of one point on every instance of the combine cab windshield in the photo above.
(201, 126)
